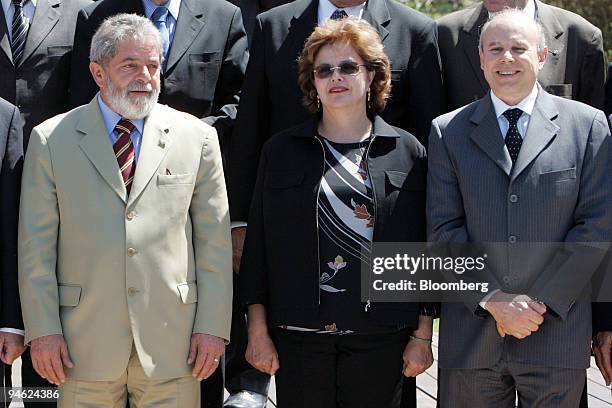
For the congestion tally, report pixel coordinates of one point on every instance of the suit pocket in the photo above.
(69, 295)
(172, 179)
(188, 292)
(58, 51)
(205, 57)
(559, 175)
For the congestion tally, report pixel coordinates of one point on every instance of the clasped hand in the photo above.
(515, 315)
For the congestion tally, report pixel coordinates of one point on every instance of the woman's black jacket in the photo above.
(280, 263)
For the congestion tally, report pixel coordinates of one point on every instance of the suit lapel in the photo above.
(153, 148)
(97, 147)
(5, 43)
(46, 16)
(540, 132)
(553, 29)
(377, 14)
(487, 135)
(469, 42)
(302, 24)
(192, 16)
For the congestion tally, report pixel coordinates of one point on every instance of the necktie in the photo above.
(338, 14)
(124, 152)
(159, 19)
(513, 137)
(19, 32)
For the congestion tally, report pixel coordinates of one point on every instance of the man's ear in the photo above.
(98, 74)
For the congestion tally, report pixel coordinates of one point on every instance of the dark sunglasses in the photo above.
(345, 68)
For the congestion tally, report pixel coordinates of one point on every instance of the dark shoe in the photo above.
(246, 399)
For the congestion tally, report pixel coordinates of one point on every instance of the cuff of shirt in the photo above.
(237, 224)
(14, 331)
(485, 299)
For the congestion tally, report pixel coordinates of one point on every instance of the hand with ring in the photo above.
(205, 353)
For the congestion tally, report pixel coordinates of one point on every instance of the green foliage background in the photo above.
(598, 12)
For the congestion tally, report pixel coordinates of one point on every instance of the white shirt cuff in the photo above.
(485, 299)
(14, 331)
(237, 224)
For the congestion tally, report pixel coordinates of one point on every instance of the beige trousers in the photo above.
(142, 391)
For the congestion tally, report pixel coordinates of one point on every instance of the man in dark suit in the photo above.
(205, 56)
(272, 100)
(574, 68)
(608, 107)
(524, 167)
(35, 66)
(251, 8)
(11, 160)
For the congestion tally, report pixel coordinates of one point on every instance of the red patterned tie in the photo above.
(124, 152)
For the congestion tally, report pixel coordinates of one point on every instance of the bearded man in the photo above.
(125, 256)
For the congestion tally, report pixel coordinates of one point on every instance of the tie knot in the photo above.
(124, 126)
(338, 14)
(513, 115)
(159, 14)
(18, 3)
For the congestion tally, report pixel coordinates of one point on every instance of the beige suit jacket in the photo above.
(107, 270)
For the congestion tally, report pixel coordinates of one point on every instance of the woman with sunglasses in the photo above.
(325, 191)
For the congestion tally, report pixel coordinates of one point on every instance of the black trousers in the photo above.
(331, 371)
(234, 372)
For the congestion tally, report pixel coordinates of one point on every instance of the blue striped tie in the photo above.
(19, 32)
(159, 17)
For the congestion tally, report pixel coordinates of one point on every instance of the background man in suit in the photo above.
(574, 67)
(548, 180)
(272, 100)
(205, 55)
(11, 155)
(138, 187)
(251, 8)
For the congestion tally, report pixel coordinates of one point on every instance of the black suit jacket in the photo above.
(574, 67)
(251, 8)
(272, 100)
(608, 107)
(206, 61)
(11, 160)
(39, 84)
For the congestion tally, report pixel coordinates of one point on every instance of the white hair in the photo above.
(512, 14)
(118, 28)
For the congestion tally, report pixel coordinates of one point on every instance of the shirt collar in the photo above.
(7, 3)
(111, 118)
(526, 105)
(172, 5)
(530, 9)
(326, 8)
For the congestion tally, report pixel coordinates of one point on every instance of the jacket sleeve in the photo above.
(38, 233)
(10, 183)
(593, 72)
(212, 243)
(227, 89)
(250, 132)
(253, 268)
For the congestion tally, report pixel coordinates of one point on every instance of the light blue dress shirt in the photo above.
(173, 7)
(110, 121)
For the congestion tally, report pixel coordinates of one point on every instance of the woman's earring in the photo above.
(318, 103)
(368, 104)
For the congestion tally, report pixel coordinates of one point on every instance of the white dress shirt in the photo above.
(526, 105)
(28, 8)
(326, 9)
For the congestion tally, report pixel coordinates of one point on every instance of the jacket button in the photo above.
(512, 239)
(131, 215)
(513, 198)
(131, 252)
(506, 279)
(132, 291)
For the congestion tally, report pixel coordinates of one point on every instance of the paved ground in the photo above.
(599, 394)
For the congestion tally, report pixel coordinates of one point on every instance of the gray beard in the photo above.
(130, 107)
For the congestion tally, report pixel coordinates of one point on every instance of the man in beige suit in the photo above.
(124, 244)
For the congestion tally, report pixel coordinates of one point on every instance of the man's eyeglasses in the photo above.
(345, 68)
